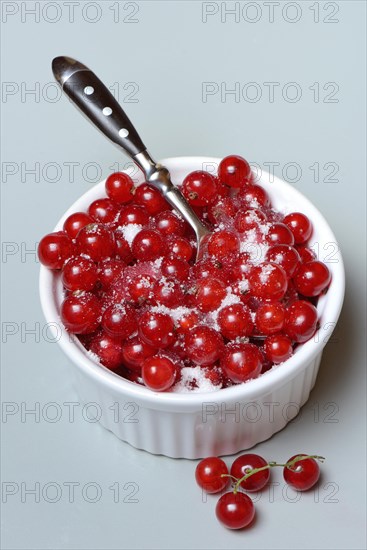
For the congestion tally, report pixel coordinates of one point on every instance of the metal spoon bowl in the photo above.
(101, 108)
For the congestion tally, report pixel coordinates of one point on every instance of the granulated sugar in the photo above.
(193, 380)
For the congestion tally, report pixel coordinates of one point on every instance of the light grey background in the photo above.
(163, 59)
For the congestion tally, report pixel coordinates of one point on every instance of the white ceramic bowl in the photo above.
(196, 425)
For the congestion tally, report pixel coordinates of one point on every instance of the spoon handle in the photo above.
(96, 101)
(98, 104)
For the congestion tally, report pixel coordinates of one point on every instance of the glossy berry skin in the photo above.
(159, 373)
(300, 226)
(254, 196)
(268, 281)
(169, 224)
(110, 271)
(150, 198)
(279, 233)
(235, 320)
(306, 254)
(250, 461)
(199, 188)
(222, 243)
(222, 210)
(119, 320)
(135, 351)
(168, 293)
(180, 247)
(203, 345)
(120, 188)
(312, 278)
(270, 318)
(234, 171)
(140, 288)
(303, 475)
(123, 250)
(108, 349)
(246, 220)
(104, 211)
(175, 268)
(284, 255)
(54, 249)
(133, 213)
(241, 362)
(80, 313)
(147, 245)
(301, 321)
(208, 474)
(278, 348)
(235, 511)
(96, 241)
(156, 329)
(209, 294)
(75, 222)
(79, 274)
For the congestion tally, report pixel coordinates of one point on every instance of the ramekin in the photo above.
(202, 424)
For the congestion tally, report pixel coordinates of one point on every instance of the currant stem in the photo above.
(271, 465)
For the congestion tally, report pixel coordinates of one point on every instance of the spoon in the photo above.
(98, 104)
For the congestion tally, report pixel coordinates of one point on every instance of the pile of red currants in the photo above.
(144, 309)
(251, 473)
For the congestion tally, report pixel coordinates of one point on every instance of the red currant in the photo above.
(284, 255)
(168, 293)
(96, 241)
(222, 243)
(209, 472)
(110, 271)
(180, 247)
(279, 233)
(74, 223)
(79, 274)
(148, 245)
(246, 220)
(80, 313)
(120, 188)
(300, 226)
(169, 223)
(222, 210)
(119, 320)
(241, 362)
(268, 281)
(199, 188)
(176, 268)
(140, 288)
(235, 510)
(254, 196)
(312, 278)
(135, 351)
(54, 249)
(243, 464)
(303, 475)
(235, 320)
(132, 213)
(203, 345)
(301, 321)
(209, 294)
(151, 199)
(278, 348)
(104, 211)
(234, 171)
(108, 349)
(270, 318)
(159, 373)
(156, 329)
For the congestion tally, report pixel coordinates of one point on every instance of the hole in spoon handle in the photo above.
(98, 104)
